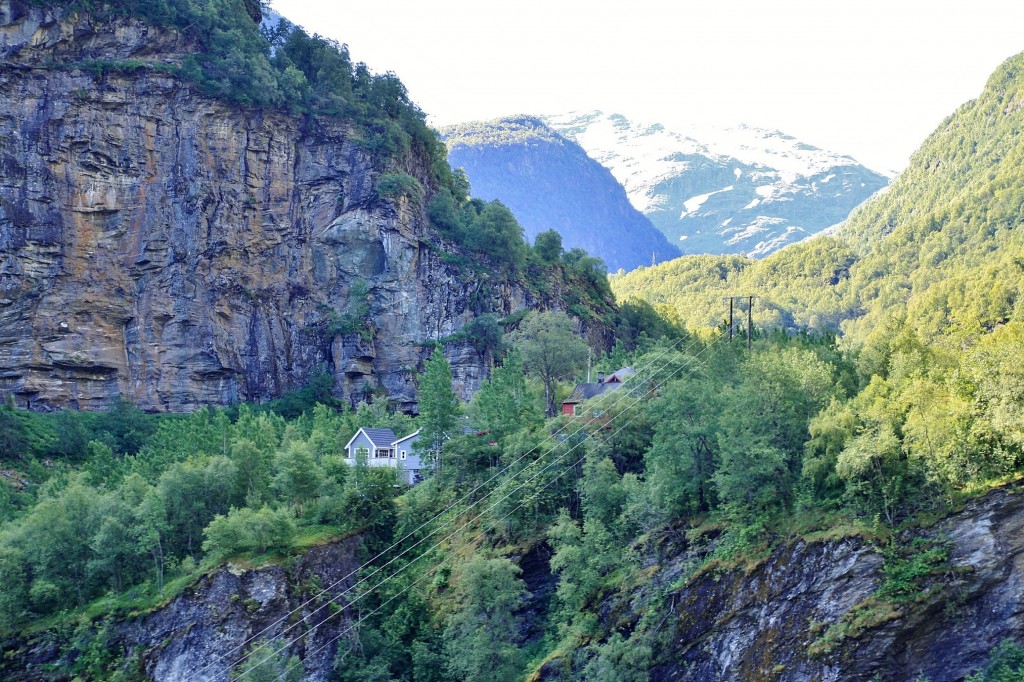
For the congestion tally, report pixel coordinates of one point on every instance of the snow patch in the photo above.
(694, 203)
(759, 225)
(646, 158)
(792, 234)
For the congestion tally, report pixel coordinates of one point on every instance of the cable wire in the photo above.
(288, 644)
(552, 436)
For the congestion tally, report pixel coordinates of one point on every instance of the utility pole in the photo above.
(750, 316)
(729, 299)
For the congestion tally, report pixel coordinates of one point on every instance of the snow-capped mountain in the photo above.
(723, 190)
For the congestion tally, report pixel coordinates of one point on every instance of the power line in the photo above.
(459, 529)
(437, 516)
(428, 573)
(466, 524)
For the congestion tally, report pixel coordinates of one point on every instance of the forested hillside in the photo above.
(939, 249)
(538, 548)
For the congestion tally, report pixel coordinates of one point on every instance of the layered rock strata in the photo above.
(178, 251)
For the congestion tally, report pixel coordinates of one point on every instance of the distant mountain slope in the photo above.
(946, 243)
(743, 190)
(550, 183)
(942, 249)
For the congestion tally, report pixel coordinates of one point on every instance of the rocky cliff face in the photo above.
(810, 611)
(251, 614)
(229, 620)
(179, 251)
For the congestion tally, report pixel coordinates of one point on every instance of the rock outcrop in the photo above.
(783, 619)
(291, 615)
(811, 610)
(176, 250)
(255, 615)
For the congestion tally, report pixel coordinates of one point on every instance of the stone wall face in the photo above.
(770, 622)
(178, 251)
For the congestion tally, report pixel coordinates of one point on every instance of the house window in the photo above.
(403, 454)
(385, 452)
(362, 452)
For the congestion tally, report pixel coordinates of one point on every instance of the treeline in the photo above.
(118, 504)
(502, 131)
(804, 286)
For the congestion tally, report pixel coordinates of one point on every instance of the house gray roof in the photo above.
(381, 438)
(587, 391)
(620, 375)
(402, 440)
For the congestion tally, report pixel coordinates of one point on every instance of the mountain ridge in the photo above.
(549, 182)
(939, 248)
(743, 190)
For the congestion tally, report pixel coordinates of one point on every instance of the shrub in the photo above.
(248, 530)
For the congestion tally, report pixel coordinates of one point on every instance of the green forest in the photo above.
(735, 450)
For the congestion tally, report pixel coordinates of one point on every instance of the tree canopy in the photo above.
(551, 349)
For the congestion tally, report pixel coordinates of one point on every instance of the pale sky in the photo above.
(868, 78)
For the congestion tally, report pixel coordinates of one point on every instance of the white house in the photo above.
(381, 448)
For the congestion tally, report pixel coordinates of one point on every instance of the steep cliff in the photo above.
(177, 250)
(816, 610)
(551, 184)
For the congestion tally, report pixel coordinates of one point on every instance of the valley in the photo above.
(288, 395)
